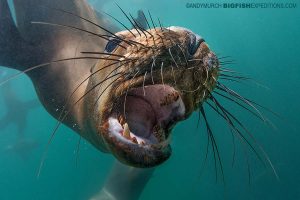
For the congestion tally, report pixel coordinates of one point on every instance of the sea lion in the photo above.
(160, 79)
(127, 102)
(123, 92)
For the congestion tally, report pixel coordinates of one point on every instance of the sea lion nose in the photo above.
(195, 41)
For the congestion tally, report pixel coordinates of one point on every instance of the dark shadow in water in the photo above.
(23, 148)
(16, 113)
(17, 110)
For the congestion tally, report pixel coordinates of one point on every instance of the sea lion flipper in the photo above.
(28, 44)
(11, 42)
(141, 20)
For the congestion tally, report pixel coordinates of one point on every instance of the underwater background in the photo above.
(265, 45)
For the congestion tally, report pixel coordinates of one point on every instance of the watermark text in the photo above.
(242, 5)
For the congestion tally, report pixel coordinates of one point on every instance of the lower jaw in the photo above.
(137, 155)
(141, 158)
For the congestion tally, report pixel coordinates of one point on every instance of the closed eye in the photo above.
(112, 44)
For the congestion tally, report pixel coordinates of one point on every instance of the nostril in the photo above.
(194, 44)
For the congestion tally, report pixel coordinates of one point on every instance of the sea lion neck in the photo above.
(55, 82)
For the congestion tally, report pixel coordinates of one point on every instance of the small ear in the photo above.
(141, 20)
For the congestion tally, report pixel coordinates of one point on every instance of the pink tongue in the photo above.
(140, 116)
(156, 96)
(151, 105)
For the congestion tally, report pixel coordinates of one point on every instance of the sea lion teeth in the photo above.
(126, 132)
(121, 120)
(134, 140)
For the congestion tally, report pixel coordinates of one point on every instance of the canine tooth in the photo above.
(121, 120)
(134, 140)
(126, 132)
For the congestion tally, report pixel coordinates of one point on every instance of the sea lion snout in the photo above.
(159, 77)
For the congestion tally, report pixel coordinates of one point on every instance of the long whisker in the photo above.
(214, 144)
(227, 63)
(232, 75)
(210, 139)
(144, 16)
(239, 99)
(144, 83)
(229, 79)
(105, 37)
(172, 68)
(234, 148)
(129, 19)
(173, 57)
(191, 60)
(240, 79)
(161, 74)
(77, 150)
(160, 24)
(109, 84)
(132, 42)
(89, 21)
(194, 90)
(248, 164)
(87, 78)
(225, 115)
(102, 53)
(128, 91)
(103, 92)
(184, 55)
(144, 30)
(207, 143)
(226, 97)
(230, 91)
(63, 118)
(120, 23)
(236, 77)
(227, 90)
(224, 57)
(137, 25)
(222, 69)
(153, 64)
(240, 137)
(49, 63)
(154, 26)
(260, 147)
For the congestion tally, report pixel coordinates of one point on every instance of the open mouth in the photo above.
(140, 124)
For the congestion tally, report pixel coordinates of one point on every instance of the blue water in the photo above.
(265, 44)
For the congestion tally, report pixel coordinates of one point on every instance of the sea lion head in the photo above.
(149, 81)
